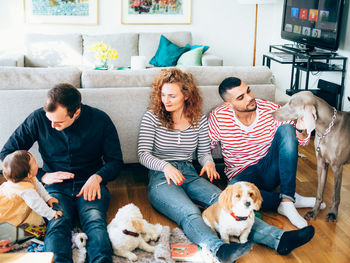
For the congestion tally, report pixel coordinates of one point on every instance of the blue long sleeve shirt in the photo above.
(89, 146)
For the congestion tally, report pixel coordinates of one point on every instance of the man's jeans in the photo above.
(278, 167)
(177, 203)
(92, 216)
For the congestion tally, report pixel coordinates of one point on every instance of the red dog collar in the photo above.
(239, 218)
(130, 233)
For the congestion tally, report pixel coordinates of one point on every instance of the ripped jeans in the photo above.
(179, 204)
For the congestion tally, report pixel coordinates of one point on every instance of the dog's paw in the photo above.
(243, 240)
(310, 215)
(132, 256)
(150, 249)
(331, 217)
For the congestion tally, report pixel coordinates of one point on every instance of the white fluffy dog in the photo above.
(233, 215)
(128, 231)
(79, 247)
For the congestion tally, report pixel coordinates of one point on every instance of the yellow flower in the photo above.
(103, 51)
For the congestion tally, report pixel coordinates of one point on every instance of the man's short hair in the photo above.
(227, 84)
(63, 94)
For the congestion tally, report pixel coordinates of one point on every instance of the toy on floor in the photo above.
(36, 248)
(79, 247)
(128, 231)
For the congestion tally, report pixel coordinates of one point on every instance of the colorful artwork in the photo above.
(61, 11)
(156, 11)
(164, 7)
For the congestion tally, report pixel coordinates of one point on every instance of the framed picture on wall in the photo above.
(156, 11)
(61, 11)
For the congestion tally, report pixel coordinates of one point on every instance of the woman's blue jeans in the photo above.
(179, 204)
(277, 168)
(92, 216)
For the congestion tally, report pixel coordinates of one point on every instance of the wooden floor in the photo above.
(331, 242)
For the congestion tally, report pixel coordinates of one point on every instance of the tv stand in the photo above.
(297, 48)
(302, 61)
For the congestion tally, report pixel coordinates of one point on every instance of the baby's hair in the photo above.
(16, 166)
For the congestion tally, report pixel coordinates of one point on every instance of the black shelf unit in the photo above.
(316, 61)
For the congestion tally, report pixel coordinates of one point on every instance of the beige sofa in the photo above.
(122, 94)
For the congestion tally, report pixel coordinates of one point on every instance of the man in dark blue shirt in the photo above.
(81, 152)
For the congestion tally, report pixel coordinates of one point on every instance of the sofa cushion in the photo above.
(148, 42)
(205, 48)
(191, 58)
(118, 78)
(167, 53)
(29, 100)
(126, 44)
(215, 75)
(37, 78)
(53, 50)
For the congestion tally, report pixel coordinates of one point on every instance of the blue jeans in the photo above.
(179, 204)
(277, 168)
(92, 216)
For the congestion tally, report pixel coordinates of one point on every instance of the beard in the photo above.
(250, 107)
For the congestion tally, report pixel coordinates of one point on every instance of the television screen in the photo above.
(315, 23)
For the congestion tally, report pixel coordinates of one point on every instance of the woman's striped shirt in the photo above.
(157, 144)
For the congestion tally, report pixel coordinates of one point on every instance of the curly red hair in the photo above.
(193, 103)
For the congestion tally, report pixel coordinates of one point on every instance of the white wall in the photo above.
(226, 26)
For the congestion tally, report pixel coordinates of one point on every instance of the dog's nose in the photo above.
(247, 204)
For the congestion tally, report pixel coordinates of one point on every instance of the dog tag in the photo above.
(317, 149)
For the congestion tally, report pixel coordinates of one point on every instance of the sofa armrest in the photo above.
(12, 60)
(211, 60)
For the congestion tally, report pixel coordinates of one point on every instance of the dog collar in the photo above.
(327, 131)
(239, 218)
(130, 233)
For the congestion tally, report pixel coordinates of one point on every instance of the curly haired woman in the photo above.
(172, 129)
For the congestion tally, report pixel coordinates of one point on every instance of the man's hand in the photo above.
(56, 177)
(300, 125)
(210, 169)
(91, 188)
(174, 174)
(52, 201)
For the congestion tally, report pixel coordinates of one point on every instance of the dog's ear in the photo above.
(225, 198)
(256, 196)
(310, 117)
(138, 224)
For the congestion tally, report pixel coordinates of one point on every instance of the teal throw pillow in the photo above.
(191, 58)
(197, 46)
(167, 53)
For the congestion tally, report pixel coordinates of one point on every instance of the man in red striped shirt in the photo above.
(258, 149)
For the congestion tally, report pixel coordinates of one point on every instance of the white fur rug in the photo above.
(162, 249)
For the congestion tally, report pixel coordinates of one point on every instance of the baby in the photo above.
(23, 199)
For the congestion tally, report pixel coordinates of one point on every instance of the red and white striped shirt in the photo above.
(242, 145)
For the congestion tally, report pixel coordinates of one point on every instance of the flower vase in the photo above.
(103, 65)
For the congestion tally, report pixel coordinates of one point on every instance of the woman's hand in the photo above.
(174, 174)
(210, 169)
